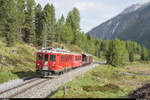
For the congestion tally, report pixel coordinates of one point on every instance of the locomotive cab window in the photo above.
(53, 58)
(46, 57)
(62, 58)
(40, 57)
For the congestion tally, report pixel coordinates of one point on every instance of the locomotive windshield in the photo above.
(53, 58)
(46, 57)
(40, 57)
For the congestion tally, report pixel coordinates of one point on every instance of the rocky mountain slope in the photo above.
(131, 24)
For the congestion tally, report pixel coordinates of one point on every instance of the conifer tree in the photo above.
(131, 56)
(3, 3)
(39, 26)
(8, 20)
(73, 19)
(60, 30)
(116, 53)
(50, 21)
(29, 28)
(68, 34)
(97, 49)
(143, 54)
(20, 18)
(90, 46)
(105, 46)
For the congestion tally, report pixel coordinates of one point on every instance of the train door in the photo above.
(62, 61)
(70, 61)
(67, 61)
(58, 61)
(73, 60)
(52, 60)
(46, 59)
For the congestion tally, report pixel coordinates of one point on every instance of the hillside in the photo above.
(132, 24)
(18, 61)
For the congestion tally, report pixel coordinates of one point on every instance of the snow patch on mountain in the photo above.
(135, 7)
(116, 26)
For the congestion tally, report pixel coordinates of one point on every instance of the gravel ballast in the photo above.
(13, 83)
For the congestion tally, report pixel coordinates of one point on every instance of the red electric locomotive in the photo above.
(52, 61)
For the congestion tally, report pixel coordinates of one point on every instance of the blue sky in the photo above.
(92, 12)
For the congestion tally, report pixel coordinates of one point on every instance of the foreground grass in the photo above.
(106, 81)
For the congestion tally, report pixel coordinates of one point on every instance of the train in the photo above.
(55, 61)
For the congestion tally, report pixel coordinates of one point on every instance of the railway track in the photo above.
(22, 91)
(14, 91)
(2, 92)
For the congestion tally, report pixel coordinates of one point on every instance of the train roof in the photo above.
(86, 54)
(56, 50)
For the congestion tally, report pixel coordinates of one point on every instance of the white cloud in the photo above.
(82, 6)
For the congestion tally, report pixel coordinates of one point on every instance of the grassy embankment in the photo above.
(19, 61)
(106, 81)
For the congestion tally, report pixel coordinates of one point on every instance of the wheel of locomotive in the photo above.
(50, 73)
(44, 73)
(59, 73)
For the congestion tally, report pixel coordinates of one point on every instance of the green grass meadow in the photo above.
(106, 81)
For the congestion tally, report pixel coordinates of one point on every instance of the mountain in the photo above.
(131, 24)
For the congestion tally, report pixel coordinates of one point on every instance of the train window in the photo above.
(63, 58)
(67, 58)
(53, 58)
(46, 57)
(40, 57)
(70, 58)
(77, 58)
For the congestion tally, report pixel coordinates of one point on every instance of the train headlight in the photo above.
(45, 68)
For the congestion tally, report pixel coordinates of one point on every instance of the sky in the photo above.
(92, 12)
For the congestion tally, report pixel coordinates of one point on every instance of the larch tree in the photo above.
(97, 47)
(50, 21)
(60, 30)
(116, 53)
(73, 19)
(29, 28)
(131, 56)
(39, 25)
(8, 20)
(20, 18)
(144, 53)
(90, 46)
(3, 3)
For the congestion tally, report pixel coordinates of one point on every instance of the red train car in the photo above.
(53, 61)
(87, 59)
